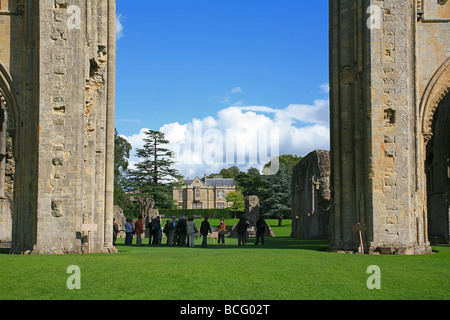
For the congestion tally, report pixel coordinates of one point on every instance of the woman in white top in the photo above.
(191, 229)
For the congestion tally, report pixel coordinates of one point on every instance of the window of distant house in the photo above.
(220, 205)
(197, 194)
(221, 194)
(180, 195)
(196, 205)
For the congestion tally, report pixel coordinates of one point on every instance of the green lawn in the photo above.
(284, 269)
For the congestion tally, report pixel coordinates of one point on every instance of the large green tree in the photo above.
(250, 183)
(154, 175)
(121, 155)
(238, 201)
(231, 172)
(276, 192)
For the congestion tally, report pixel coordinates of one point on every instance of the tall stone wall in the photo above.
(383, 55)
(433, 83)
(58, 78)
(310, 202)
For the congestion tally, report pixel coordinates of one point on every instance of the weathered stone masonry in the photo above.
(310, 201)
(386, 83)
(58, 80)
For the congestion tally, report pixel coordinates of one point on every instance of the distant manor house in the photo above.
(206, 193)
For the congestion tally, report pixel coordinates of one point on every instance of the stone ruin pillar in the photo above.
(388, 70)
(252, 214)
(57, 73)
(310, 200)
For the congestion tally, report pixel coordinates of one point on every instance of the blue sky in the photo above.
(223, 63)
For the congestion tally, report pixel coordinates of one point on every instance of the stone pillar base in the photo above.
(401, 250)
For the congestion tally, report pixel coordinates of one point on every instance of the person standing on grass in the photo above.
(247, 231)
(260, 229)
(156, 230)
(205, 229)
(129, 232)
(115, 231)
(172, 228)
(241, 229)
(222, 228)
(166, 230)
(190, 230)
(139, 229)
(150, 230)
(181, 231)
(160, 231)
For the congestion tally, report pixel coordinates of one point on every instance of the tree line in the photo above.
(155, 177)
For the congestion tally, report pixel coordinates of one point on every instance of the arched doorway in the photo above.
(7, 171)
(9, 143)
(438, 174)
(310, 203)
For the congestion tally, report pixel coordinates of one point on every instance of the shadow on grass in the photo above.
(286, 243)
(269, 243)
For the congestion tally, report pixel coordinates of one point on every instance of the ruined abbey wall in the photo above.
(58, 77)
(310, 202)
(384, 55)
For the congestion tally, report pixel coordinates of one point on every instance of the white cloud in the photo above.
(311, 114)
(236, 90)
(119, 25)
(136, 141)
(325, 87)
(203, 146)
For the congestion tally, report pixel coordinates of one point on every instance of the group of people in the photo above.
(182, 232)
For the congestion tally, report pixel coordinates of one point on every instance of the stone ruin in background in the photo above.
(121, 220)
(252, 214)
(310, 197)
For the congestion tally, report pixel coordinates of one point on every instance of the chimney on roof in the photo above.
(205, 178)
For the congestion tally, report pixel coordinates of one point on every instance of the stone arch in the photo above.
(310, 197)
(311, 212)
(8, 123)
(10, 93)
(436, 90)
(436, 93)
(437, 169)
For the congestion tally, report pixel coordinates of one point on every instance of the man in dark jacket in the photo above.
(205, 229)
(181, 231)
(260, 229)
(241, 229)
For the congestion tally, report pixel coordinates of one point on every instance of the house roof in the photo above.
(212, 182)
(219, 182)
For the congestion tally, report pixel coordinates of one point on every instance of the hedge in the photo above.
(211, 213)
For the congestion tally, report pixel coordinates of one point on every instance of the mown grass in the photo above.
(283, 269)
